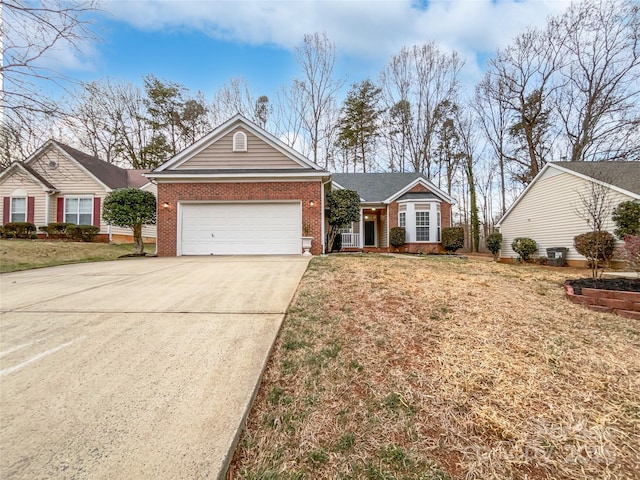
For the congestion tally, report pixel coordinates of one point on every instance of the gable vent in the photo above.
(239, 142)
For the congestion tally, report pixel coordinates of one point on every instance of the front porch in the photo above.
(370, 234)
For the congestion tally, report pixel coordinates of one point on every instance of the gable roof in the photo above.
(222, 130)
(108, 174)
(623, 177)
(31, 172)
(386, 187)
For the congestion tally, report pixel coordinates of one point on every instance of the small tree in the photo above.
(626, 216)
(597, 248)
(130, 208)
(343, 208)
(452, 238)
(630, 252)
(494, 244)
(524, 247)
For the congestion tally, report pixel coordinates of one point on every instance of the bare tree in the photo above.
(599, 103)
(469, 142)
(422, 78)
(494, 121)
(318, 86)
(230, 99)
(520, 77)
(29, 34)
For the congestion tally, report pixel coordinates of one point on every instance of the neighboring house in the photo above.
(61, 184)
(390, 200)
(547, 209)
(240, 190)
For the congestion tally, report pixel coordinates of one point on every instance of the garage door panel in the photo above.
(241, 228)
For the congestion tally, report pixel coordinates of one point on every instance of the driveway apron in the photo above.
(140, 368)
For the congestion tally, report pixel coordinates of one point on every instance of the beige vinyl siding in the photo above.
(220, 155)
(384, 230)
(21, 180)
(547, 214)
(67, 177)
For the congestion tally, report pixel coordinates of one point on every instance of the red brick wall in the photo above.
(445, 221)
(172, 193)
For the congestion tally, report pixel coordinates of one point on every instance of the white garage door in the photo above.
(241, 228)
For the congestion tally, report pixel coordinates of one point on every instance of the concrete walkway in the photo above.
(140, 368)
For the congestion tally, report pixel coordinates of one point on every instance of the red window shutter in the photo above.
(31, 203)
(96, 212)
(60, 210)
(6, 210)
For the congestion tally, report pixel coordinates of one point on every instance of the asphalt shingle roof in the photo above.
(111, 175)
(625, 175)
(375, 187)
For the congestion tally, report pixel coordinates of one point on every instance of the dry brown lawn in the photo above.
(441, 368)
(27, 254)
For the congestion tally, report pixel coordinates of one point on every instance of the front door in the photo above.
(369, 233)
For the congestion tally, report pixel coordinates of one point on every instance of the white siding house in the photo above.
(547, 210)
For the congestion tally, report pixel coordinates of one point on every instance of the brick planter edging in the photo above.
(625, 304)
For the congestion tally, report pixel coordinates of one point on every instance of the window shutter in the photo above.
(60, 210)
(6, 212)
(31, 202)
(96, 212)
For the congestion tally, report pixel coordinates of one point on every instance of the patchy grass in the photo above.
(27, 254)
(436, 368)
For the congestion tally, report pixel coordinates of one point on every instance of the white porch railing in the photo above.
(350, 240)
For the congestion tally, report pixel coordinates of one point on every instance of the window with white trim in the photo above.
(18, 211)
(239, 142)
(78, 210)
(422, 226)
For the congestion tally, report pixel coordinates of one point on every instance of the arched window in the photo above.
(239, 142)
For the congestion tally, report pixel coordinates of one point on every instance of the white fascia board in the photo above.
(426, 184)
(81, 167)
(208, 177)
(223, 130)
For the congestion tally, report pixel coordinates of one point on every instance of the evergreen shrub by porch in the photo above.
(452, 238)
(494, 243)
(626, 216)
(19, 230)
(595, 246)
(397, 236)
(524, 247)
(86, 233)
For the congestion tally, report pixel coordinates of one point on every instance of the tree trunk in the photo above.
(137, 238)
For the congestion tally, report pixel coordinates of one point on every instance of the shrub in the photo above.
(494, 243)
(524, 247)
(19, 230)
(57, 229)
(630, 252)
(397, 236)
(626, 216)
(86, 233)
(452, 238)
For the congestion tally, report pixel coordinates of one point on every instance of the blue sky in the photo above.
(202, 44)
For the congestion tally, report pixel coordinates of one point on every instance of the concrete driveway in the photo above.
(140, 368)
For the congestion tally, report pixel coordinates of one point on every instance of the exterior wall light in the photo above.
(311, 203)
(165, 204)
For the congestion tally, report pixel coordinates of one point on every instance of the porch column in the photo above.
(361, 232)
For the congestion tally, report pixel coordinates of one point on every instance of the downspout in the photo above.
(388, 229)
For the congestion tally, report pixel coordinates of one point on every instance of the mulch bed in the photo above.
(621, 284)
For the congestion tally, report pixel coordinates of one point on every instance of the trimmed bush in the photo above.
(56, 229)
(494, 243)
(19, 230)
(626, 216)
(452, 238)
(524, 247)
(595, 246)
(85, 233)
(398, 236)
